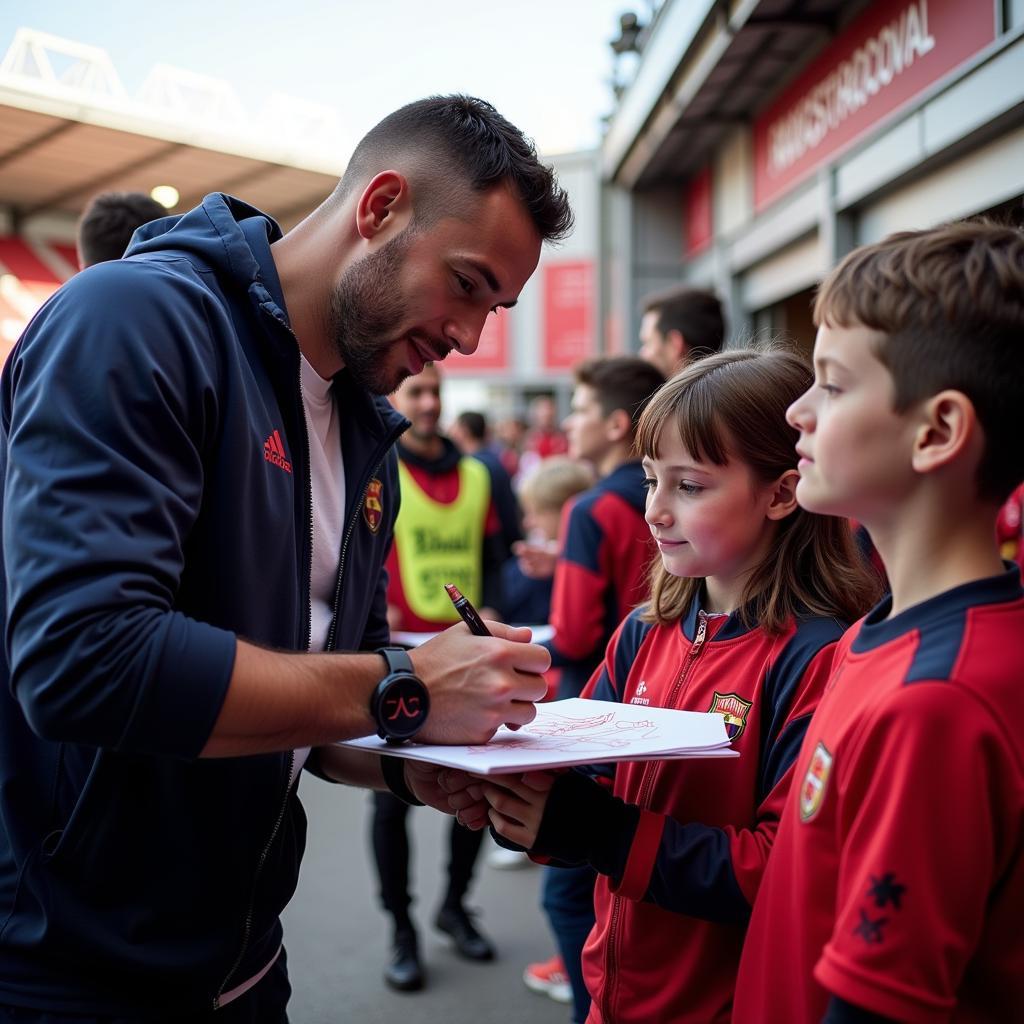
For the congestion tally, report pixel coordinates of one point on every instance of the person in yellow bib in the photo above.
(447, 531)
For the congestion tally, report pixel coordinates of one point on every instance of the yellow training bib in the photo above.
(438, 544)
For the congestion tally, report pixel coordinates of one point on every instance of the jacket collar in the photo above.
(878, 628)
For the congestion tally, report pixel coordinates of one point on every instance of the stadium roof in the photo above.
(69, 130)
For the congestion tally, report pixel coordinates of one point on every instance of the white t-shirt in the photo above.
(327, 478)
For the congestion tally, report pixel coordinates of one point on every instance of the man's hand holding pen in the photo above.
(480, 675)
(478, 683)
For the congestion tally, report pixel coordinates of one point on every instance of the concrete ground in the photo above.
(338, 940)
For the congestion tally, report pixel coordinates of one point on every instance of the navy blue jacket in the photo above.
(156, 506)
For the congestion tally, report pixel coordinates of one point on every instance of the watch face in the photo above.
(403, 707)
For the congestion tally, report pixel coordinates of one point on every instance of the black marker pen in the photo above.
(469, 615)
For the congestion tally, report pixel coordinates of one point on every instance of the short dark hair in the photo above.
(473, 423)
(695, 313)
(459, 140)
(621, 382)
(950, 302)
(109, 221)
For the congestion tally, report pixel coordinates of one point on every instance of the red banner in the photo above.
(491, 353)
(699, 224)
(568, 313)
(886, 57)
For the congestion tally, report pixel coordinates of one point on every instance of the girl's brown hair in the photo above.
(733, 406)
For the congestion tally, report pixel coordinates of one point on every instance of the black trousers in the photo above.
(391, 850)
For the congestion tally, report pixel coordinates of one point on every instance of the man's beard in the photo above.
(366, 311)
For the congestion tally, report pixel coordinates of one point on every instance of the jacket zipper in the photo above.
(247, 928)
(381, 453)
(646, 786)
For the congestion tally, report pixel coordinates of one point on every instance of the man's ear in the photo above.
(949, 427)
(617, 425)
(783, 496)
(384, 206)
(677, 345)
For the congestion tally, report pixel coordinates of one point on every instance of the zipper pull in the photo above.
(702, 630)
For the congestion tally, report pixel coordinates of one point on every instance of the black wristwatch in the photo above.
(401, 702)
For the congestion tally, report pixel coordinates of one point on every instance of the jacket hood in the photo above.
(447, 460)
(212, 231)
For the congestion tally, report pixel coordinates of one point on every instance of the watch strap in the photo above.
(397, 658)
(393, 769)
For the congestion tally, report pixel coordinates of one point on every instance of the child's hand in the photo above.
(517, 804)
(537, 561)
(459, 793)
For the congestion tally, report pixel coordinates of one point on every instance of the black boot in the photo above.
(455, 922)
(404, 973)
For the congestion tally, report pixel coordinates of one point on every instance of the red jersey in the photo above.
(897, 878)
(546, 443)
(667, 940)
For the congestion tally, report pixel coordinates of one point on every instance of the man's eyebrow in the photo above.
(486, 273)
(492, 282)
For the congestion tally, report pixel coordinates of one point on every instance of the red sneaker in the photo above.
(549, 978)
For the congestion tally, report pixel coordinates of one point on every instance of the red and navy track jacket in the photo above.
(606, 548)
(670, 925)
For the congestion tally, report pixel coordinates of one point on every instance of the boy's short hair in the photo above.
(473, 423)
(554, 481)
(695, 313)
(620, 382)
(950, 302)
(109, 221)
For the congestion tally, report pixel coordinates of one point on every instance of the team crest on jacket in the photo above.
(733, 708)
(373, 505)
(812, 790)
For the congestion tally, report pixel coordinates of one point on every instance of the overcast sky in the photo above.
(545, 64)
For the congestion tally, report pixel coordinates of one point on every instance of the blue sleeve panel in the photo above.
(584, 536)
(839, 1011)
(782, 734)
(693, 874)
(585, 823)
(103, 482)
(696, 871)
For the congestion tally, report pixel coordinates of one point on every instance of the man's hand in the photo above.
(478, 683)
(537, 561)
(517, 804)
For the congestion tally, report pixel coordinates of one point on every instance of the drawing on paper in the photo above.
(600, 733)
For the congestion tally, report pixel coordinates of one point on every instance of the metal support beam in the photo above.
(35, 141)
(96, 183)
